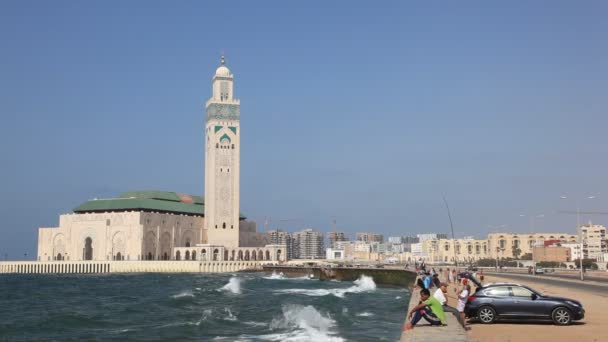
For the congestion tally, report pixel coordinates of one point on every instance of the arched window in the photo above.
(59, 256)
(267, 255)
(215, 254)
(204, 254)
(178, 256)
(225, 255)
(246, 255)
(217, 145)
(278, 254)
(240, 255)
(233, 146)
(224, 225)
(187, 255)
(149, 256)
(118, 256)
(87, 252)
(188, 243)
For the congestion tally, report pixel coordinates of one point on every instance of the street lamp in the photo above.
(578, 227)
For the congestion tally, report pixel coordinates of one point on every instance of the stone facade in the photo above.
(118, 236)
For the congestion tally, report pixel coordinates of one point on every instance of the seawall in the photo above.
(396, 277)
(153, 266)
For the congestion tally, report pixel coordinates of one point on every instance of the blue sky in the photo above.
(364, 112)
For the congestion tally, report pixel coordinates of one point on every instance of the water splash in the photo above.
(233, 286)
(229, 315)
(304, 323)
(363, 284)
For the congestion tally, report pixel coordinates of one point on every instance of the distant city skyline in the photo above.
(354, 112)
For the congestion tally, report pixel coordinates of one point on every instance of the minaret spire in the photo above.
(223, 60)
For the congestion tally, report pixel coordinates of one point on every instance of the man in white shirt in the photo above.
(440, 294)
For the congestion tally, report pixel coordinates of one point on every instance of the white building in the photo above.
(575, 249)
(335, 254)
(594, 241)
(308, 244)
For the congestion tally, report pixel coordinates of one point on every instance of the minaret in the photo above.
(222, 161)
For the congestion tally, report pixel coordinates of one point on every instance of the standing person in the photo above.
(436, 281)
(462, 301)
(429, 308)
(454, 277)
(481, 276)
(420, 283)
(441, 294)
(428, 281)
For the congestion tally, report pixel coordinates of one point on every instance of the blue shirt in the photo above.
(427, 282)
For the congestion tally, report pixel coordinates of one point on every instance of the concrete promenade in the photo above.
(453, 332)
(152, 266)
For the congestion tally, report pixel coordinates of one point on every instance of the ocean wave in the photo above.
(363, 284)
(364, 314)
(233, 286)
(304, 323)
(275, 276)
(183, 294)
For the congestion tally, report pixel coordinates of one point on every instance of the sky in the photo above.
(363, 112)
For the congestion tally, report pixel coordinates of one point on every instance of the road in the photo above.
(592, 328)
(594, 287)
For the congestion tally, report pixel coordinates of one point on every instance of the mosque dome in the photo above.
(223, 70)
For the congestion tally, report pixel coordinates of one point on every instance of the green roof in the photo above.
(161, 201)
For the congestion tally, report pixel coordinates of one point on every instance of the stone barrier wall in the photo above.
(64, 267)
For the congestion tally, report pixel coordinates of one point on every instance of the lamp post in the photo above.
(580, 231)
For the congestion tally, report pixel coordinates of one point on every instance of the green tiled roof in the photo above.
(161, 201)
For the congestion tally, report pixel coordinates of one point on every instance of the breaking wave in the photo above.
(276, 275)
(233, 286)
(304, 323)
(229, 315)
(363, 284)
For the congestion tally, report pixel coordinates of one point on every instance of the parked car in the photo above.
(540, 270)
(514, 301)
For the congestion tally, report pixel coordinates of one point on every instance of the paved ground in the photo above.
(423, 332)
(592, 329)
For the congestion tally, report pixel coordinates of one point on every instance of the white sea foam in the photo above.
(345, 311)
(275, 276)
(365, 314)
(363, 284)
(233, 286)
(183, 294)
(255, 324)
(398, 297)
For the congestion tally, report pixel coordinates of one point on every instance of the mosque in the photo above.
(157, 225)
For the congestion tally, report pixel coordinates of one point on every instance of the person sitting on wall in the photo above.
(429, 308)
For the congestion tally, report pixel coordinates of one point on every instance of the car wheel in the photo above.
(561, 316)
(486, 314)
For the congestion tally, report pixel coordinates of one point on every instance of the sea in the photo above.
(197, 307)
